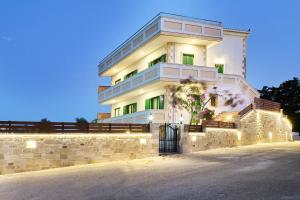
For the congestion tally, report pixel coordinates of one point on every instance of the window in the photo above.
(162, 58)
(117, 112)
(213, 100)
(117, 81)
(155, 103)
(188, 59)
(131, 108)
(131, 74)
(220, 68)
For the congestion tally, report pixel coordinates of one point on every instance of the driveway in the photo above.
(268, 171)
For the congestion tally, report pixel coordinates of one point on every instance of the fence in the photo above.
(266, 105)
(70, 127)
(210, 124)
(262, 104)
(218, 124)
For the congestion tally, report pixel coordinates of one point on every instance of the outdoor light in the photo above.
(150, 118)
(128, 132)
(143, 141)
(181, 119)
(31, 144)
(239, 135)
(228, 117)
(194, 138)
(270, 135)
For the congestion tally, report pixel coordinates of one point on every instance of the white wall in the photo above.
(140, 65)
(140, 100)
(228, 52)
(198, 51)
(180, 49)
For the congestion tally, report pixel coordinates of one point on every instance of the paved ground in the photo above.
(269, 171)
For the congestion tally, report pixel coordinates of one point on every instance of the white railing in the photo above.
(141, 117)
(168, 24)
(163, 72)
(232, 80)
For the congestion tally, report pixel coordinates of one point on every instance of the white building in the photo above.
(166, 50)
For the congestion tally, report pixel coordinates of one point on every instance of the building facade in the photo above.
(165, 51)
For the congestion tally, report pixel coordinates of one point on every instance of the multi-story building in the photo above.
(166, 50)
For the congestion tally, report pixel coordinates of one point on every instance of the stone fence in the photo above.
(28, 152)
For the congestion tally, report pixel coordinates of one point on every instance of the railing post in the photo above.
(129, 127)
(9, 126)
(63, 127)
(109, 127)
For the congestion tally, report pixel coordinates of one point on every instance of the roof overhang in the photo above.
(160, 30)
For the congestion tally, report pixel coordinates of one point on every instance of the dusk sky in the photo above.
(49, 50)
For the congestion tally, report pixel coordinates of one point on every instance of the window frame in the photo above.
(131, 74)
(117, 81)
(155, 103)
(220, 68)
(130, 107)
(185, 60)
(117, 110)
(213, 100)
(160, 59)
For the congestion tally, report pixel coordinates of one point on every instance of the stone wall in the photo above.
(28, 152)
(25, 152)
(257, 126)
(210, 139)
(264, 126)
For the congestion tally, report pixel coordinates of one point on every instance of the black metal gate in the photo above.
(168, 139)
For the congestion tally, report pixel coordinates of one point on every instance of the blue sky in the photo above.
(49, 50)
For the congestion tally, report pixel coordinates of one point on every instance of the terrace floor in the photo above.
(267, 171)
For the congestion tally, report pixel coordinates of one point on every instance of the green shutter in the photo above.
(220, 68)
(161, 102)
(147, 104)
(188, 59)
(125, 111)
(134, 107)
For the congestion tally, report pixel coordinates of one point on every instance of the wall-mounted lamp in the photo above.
(194, 138)
(150, 117)
(181, 119)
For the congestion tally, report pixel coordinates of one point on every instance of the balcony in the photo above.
(141, 117)
(165, 72)
(161, 29)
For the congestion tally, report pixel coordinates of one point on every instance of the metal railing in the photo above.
(70, 127)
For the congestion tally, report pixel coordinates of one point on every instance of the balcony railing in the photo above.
(175, 72)
(141, 117)
(161, 71)
(168, 24)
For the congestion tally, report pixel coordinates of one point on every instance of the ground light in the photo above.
(30, 144)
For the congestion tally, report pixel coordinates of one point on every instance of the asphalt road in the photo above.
(269, 171)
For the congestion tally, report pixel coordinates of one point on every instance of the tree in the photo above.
(81, 120)
(288, 95)
(44, 126)
(190, 95)
(44, 120)
(94, 121)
